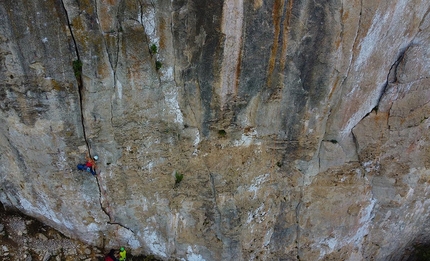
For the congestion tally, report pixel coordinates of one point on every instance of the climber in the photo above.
(90, 165)
(122, 254)
(112, 256)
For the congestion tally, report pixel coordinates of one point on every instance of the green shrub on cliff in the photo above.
(178, 178)
(153, 49)
(158, 65)
(77, 68)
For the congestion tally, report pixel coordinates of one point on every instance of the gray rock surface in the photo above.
(41, 242)
(300, 127)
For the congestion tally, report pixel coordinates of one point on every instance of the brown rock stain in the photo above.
(88, 6)
(56, 86)
(278, 6)
(381, 116)
(110, 2)
(106, 16)
(277, 17)
(337, 42)
(336, 83)
(285, 34)
(25, 115)
(258, 4)
(161, 29)
(238, 67)
(79, 32)
(344, 17)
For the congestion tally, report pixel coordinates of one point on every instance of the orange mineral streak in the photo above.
(109, 9)
(110, 2)
(335, 85)
(344, 17)
(285, 34)
(278, 6)
(381, 118)
(162, 30)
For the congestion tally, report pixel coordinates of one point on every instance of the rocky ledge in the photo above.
(24, 238)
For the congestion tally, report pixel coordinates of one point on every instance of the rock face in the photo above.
(23, 238)
(300, 128)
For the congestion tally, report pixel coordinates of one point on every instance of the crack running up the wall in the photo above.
(77, 68)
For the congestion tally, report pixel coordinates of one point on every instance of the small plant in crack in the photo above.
(222, 133)
(153, 48)
(178, 178)
(158, 65)
(77, 68)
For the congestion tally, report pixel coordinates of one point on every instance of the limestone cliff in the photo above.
(300, 127)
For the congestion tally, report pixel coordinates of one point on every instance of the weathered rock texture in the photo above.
(23, 238)
(300, 127)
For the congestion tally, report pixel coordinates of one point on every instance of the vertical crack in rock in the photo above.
(104, 206)
(422, 21)
(348, 70)
(391, 79)
(218, 213)
(174, 56)
(112, 58)
(357, 147)
(342, 26)
(140, 21)
(355, 43)
(354, 46)
(77, 68)
(115, 75)
(113, 62)
(392, 75)
(147, 40)
(297, 216)
(115, 68)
